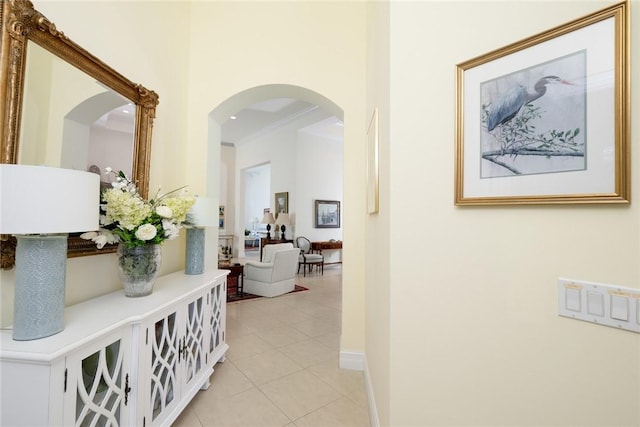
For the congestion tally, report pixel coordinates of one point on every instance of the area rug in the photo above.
(235, 298)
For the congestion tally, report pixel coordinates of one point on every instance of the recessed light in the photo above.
(232, 117)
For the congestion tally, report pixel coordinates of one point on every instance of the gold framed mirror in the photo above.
(24, 30)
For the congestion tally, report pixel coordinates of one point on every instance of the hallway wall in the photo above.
(475, 338)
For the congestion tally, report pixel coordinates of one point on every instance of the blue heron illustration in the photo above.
(508, 105)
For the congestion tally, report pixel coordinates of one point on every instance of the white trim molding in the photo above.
(374, 421)
(353, 360)
(357, 361)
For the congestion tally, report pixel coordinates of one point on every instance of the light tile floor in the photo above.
(282, 365)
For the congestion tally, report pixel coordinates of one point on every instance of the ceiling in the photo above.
(271, 114)
(254, 120)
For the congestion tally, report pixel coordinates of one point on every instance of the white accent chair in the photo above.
(275, 275)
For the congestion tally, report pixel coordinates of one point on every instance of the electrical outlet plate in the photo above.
(603, 304)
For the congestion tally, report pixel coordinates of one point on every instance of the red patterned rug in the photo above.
(233, 297)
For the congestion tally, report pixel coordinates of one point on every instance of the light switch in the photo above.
(572, 299)
(595, 303)
(606, 305)
(619, 308)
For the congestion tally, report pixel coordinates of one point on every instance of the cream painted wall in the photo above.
(315, 45)
(475, 338)
(377, 236)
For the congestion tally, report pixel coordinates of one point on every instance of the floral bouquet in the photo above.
(132, 221)
(139, 226)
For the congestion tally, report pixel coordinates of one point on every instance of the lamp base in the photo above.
(41, 267)
(194, 256)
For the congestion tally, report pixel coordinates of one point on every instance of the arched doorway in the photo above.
(286, 177)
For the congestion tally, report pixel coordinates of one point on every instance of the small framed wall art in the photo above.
(327, 214)
(281, 203)
(372, 165)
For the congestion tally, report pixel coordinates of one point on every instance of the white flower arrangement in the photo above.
(133, 221)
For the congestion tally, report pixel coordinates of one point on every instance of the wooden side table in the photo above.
(318, 247)
(237, 271)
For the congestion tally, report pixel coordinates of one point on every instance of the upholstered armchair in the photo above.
(308, 258)
(275, 275)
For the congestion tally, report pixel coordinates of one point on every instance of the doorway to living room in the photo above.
(256, 183)
(297, 136)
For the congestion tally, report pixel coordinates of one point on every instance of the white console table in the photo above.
(120, 361)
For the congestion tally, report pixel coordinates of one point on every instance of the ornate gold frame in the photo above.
(620, 128)
(21, 23)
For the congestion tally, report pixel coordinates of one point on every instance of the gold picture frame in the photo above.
(281, 203)
(546, 120)
(373, 191)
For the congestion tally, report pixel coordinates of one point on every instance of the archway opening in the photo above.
(304, 158)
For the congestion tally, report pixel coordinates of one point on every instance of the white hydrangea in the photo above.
(135, 221)
(164, 211)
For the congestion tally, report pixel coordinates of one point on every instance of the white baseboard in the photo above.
(353, 360)
(357, 361)
(373, 410)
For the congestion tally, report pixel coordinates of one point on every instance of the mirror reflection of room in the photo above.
(72, 121)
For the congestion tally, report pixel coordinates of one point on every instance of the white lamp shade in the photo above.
(203, 213)
(44, 200)
(268, 219)
(283, 219)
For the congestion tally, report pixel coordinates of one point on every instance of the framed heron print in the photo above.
(546, 120)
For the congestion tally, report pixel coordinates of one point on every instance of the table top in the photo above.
(326, 245)
(229, 266)
(97, 317)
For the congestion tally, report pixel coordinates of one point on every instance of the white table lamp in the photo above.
(39, 205)
(202, 214)
(283, 220)
(268, 219)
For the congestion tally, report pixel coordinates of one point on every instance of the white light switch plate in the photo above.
(608, 305)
